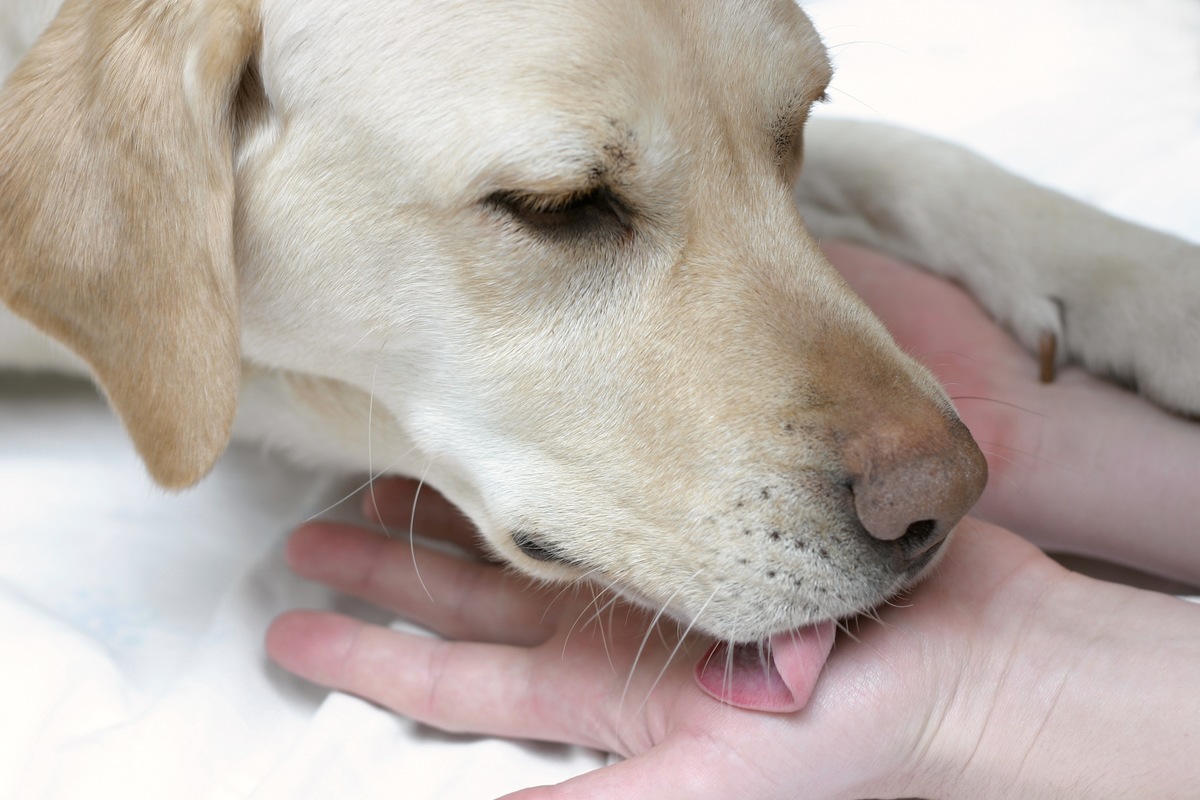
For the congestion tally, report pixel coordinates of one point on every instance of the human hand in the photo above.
(988, 674)
(895, 708)
(1077, 465)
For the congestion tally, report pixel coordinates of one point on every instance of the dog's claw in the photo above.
(1047, 353)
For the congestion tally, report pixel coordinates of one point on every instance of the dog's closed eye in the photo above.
(591, 213)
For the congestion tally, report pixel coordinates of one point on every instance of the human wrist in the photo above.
(1088, 692)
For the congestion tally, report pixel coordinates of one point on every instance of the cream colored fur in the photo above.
(356, 205)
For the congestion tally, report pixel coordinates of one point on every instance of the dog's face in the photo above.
(557, 247)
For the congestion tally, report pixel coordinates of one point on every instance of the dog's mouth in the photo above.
(778, 675)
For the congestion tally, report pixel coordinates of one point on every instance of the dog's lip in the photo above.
(777, 676)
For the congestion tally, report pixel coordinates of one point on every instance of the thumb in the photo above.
(664, 773)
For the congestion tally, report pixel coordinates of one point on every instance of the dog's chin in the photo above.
(741, 628)
(779, 674)
(774, 672)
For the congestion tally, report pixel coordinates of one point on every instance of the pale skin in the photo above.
(1000, 676)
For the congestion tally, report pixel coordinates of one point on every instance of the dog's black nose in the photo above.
(912, 487)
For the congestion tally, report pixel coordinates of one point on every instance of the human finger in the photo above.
(669, 771)
(467, 687)
(456, 597)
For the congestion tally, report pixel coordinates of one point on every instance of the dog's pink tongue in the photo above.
(779, 677)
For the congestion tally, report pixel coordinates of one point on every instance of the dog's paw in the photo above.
(1073, 283)
(1135, 321)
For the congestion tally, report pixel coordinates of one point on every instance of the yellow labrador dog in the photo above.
(548, 257)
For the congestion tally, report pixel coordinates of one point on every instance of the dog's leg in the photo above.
(1118, 298)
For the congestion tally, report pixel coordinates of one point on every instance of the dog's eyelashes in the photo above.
(592, 212)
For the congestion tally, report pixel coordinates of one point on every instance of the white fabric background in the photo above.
(131, 621)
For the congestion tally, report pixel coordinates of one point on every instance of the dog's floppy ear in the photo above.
(116, 211)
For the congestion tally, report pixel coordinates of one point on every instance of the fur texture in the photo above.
(545, 256)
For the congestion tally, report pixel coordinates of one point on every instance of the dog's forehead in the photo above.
(520, 92)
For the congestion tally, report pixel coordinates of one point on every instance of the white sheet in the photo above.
(131, 621)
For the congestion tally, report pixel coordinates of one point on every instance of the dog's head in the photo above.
(556, 246)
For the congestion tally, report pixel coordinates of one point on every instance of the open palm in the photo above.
(905, 699)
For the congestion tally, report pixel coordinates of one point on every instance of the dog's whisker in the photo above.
(821, 642)
(1010, 480)
(993, 449)
(662, 635)
(956, 398)
(576, 622)
(645, 639)
(596, 591)
(571, 630)
(412, 534)
(371, 420)
(339, 501)
(764, 660)
(926, 357)
(371, 478)
(571, 585)
(1023, 453)
(835, 89)
(371, 433)
(708, 660)
(384, 331)
(596, 594)
(876, 614)
(607, 651)
(859, 42)
(844, 628)
(894, 602)
(671, 656)
(727, 677)
(609, 606)
(372, 473)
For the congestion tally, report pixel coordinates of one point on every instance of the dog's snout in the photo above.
(914, 493)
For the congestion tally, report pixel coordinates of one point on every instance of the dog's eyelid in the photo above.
(542, 202)
(550, 200)
(572, 212)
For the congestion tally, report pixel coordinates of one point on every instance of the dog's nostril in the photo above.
(919, 533)
(915, 498)
(920, 542)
